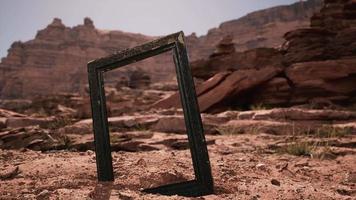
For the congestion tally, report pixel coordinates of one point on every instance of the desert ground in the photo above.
(280, 153)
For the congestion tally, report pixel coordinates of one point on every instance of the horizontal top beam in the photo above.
(137, 53)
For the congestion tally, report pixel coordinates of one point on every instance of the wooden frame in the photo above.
(203, 182)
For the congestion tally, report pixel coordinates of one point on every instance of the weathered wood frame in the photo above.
(203, 182)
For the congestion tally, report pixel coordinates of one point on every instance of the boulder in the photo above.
(334, 80)
(174, 100)
(236, 83)
(220, 89)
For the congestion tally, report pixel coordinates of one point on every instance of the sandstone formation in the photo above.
(55, 60)
(321, 60)
(264, 28)
(315, 64)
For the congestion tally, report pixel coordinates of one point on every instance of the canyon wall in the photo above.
(55, 60)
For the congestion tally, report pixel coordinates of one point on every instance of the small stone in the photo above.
(261, 166)
(301, 164)
(344, 192)
(351, 177)
(43, 194)
(275, 182)
(9, 173)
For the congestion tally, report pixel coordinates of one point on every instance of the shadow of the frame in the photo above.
(188, 189)
(104, 190)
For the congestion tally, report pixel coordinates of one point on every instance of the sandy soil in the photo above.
(244, 167)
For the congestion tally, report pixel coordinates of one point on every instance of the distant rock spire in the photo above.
(88, 22)
(56, 23)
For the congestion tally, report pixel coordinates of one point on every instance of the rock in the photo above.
(258, 29)
(63, 104)
(344, 192)
(331, 35)
(295, 114)
(66, 111)
(160, 178)
(218, 93)
(132, 146)
(139, 79)
(2, 122)
(351, 177)
(253, 59)
(81, 142)
(88, 22)
(136, 141)
(301, 164)
(8, 113)
(175, 124)
(306, 44)
(174, 100)
(261, 166)
(233, 85)
(225, 47)
(9, 172)
(235, 127)
(324, 70)
(289, 120)
(333, 80)
(276, 92)
(115, 124)
(228, 115)
(15, 104)
(133, 122)
(335, 15)
(81, 127)
(43, 195)
(32, 137)
(275, 182)
(165, 86)
(17, 122)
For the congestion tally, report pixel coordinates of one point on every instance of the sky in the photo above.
(21, 19)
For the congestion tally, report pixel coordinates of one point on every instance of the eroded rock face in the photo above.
(251, 59)
(263, 28)
(334, 80)
(331, 35)
(317, 64)
(55, 61)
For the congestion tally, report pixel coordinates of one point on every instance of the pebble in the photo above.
(275, 182)
(261, 166)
